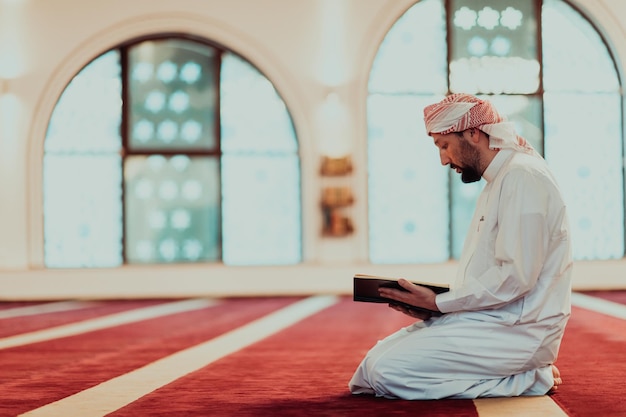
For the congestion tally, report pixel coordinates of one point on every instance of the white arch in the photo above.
(607, 23)
(217, 31)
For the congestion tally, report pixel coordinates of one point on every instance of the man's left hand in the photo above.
(415, 295)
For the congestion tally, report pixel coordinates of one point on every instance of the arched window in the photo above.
(170, 150)
(546, 67)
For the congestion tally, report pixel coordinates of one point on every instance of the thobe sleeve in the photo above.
(521, 238)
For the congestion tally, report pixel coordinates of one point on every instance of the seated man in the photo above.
(505, 314)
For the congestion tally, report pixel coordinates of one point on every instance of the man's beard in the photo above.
(469, 175)
(471, 160)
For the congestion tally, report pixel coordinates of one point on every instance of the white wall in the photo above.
(308, 48)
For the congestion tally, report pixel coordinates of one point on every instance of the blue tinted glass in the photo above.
(261, 205)
(408, 187)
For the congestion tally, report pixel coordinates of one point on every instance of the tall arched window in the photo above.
(545, 66)
(170, 150)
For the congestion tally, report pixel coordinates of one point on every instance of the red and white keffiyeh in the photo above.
(459, 112)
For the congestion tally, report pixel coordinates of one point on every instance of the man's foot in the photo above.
(556, 374)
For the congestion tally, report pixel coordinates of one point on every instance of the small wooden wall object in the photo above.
(334, 200)
(337, 224)
(333, 167)
(337, 196)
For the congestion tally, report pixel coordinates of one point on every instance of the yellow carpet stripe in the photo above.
(104, 322)
(518, 407)
(54, 307)
(599, 305)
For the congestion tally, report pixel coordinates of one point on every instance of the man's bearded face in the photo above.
(469, 162)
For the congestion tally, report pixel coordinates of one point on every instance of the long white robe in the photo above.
(507, 310)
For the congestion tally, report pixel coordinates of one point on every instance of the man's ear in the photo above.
(471, 135)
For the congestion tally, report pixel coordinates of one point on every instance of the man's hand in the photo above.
(415, 295)
(416, 314)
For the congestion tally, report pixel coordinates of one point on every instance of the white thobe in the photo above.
(507, 310)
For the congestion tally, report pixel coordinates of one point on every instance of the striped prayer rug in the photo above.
(283, 356)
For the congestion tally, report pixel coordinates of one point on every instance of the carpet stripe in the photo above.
(518, 407)
(120, 391)
(104, 322)
(599, 305)
(44, 308)
(14, 326)
(300, 371)
(37, 374)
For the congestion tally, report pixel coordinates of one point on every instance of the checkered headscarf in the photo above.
(459, 112)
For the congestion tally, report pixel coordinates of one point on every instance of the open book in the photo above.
(366, 289)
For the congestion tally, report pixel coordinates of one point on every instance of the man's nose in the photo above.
(444, 158)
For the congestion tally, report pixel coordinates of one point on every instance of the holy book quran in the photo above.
(366, 289)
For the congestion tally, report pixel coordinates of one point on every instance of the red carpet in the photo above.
(302, 370)
(592, 361)
(4, 305)
(615, 296)
(17, 325)
(37, 374)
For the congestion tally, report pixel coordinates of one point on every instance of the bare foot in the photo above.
(557, 379)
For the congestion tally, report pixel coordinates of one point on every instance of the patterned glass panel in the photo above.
(412, 57)
(261, 201)
(586, 158)
(493, 46)
(574, 56)
(82, 205)
(525, 113)
(172, 209)
(408, 188)
(582, 84)
(253, 116)
(82, 208)
(87, 116)
(172, 205)
(172, 95)
(260, 170)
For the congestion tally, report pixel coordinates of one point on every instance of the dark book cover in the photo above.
(366, 290)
